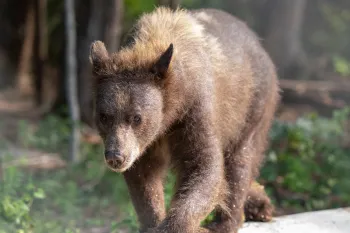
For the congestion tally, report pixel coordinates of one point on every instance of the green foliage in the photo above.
(30, 204)
(341, 65)
(129, 222)
(135, 8)
(52, 134)
(67, 195)
(17, 199)
(306, 161)
(336, 16)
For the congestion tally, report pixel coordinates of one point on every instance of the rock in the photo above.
(325, 221)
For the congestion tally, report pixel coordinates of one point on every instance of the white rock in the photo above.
(325, 221)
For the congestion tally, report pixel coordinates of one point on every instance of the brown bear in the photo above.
(196, 92)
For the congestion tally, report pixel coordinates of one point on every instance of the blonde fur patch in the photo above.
(156, 31)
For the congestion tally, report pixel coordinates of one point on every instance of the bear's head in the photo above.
(128, 105)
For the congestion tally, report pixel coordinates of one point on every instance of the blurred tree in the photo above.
(283, 36)
(171, 3)
(253, 12)
(71, 76)
(113, 26)
(40, 47)
(104, 16)
(24, 82)
(12, 14)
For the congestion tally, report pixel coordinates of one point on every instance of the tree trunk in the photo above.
(105, 24)
(71, 76)
(94, 32)
(114, 18)
(173, 4)
(41, 47)
(283, 36)
(7, 70)
(24, 81)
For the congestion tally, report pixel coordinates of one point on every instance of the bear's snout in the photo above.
(114, 159)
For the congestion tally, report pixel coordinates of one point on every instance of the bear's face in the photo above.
(128, 117)
(128, 105)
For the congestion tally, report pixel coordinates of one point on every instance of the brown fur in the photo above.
(206, 92)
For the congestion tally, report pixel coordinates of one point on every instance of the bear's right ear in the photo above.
(98, 55)
(161, 66)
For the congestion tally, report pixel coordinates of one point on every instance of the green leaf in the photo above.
(341, 65)
(39, 194)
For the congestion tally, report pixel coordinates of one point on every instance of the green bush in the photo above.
(16, 201)
(306, 165)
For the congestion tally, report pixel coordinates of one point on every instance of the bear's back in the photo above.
(245, 78)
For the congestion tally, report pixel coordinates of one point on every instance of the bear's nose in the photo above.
(113, 158)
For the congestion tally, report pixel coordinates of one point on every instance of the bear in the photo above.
(193, 91)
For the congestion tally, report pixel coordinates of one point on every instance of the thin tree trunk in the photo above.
(114, 20)
(173, 4)
(283, 37)
(94, 32)
(71, 76)
(105, 24)
(40, 45)
(163, 2)
(24, 82)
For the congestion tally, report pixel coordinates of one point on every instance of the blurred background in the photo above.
(52, 174)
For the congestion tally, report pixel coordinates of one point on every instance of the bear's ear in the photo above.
(98, 54)
(162, 64)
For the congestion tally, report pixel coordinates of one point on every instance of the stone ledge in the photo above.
(325, 221)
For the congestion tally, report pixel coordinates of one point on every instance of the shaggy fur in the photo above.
(195, 91)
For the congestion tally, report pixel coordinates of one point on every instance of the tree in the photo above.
(283, 35)
(12, 15)
(171, 3)
(41, 47)
(24, 82)
(71, 76)
(114, 21)
(105, 23)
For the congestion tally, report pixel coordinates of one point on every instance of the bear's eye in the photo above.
(137, 119)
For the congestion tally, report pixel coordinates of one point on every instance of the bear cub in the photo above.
(196, 92)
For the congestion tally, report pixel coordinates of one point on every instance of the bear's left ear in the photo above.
(161, 66)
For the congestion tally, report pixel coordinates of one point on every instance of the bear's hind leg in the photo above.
(257, 207)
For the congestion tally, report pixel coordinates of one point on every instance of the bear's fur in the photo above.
(194, 91)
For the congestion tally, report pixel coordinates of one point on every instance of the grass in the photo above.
(306, 169)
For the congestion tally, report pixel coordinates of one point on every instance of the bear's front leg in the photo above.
(200, 168)
(145, 183)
